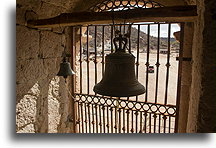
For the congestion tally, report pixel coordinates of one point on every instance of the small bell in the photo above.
(119, 78)
(65, 69)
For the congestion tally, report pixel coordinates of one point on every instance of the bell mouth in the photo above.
(119, 90)
(65, 70)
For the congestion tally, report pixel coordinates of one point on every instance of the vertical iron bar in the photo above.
(86, 120)
(119, 110)
(155, 118)
(136, 113)
(168, 64)
(124, 28)
(159, 124)
(137, 62)
(116, 114)
(179, 77)
(145, 127)
(95, 61)
(111, 110)
(112, 38)
(128, 117)
(104, 124)
(147, 63)
(140, 122)
(93, 122)
(150, 122)
(130, 41)
(107, 119)
(80, 59)
(157, 64)
(100, 115)
(132, 130)
(96, 114)
(164, 117)
(87, 54)
(103, 62)
(116, 119)
(129, 52)
(123, 128)
(78, 120)
(89, 116)
(169, 123)
(81, 109)
(76, 117)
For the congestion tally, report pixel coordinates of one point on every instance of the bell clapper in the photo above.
(65, 80)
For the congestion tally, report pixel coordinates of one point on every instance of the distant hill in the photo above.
(134, 35)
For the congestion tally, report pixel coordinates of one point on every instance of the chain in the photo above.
(69, 91)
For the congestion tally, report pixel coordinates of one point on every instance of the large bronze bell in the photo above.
(119, 78)
(65, 69)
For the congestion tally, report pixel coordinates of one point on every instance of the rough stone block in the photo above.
(48, 10)
(53, 105)
(26, 111)
(29, 70)
(30, 15)
(51, 44)
(24, 13)
(51, 66)
(58, 30)
(30, 88)
(27, 43)
(27, 129)
(20, 15)
(62, 3)
(29, 4)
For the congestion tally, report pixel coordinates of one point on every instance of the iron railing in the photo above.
(98, 114)
(119, 5)
(153, 112)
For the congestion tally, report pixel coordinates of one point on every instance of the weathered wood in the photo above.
(164, 14)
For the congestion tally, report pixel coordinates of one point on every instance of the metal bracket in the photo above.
(183, 59)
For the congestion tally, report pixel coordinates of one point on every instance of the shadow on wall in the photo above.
(34, 114)
(41, 99)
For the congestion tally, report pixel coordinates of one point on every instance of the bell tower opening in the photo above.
(156, 51)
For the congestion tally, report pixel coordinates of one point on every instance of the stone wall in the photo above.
(43, 104)
(202, 106)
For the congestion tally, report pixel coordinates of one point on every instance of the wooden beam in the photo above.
(163, 14)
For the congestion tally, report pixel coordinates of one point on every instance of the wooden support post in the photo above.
(186, 76)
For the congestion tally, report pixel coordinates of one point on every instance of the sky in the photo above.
(163, 29)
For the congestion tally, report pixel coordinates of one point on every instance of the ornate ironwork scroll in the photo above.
(119, 5)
